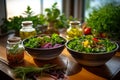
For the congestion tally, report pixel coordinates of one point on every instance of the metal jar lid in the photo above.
(74, 22)
(26, 23)
(14, 39)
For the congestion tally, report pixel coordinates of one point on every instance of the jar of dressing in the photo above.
(74, 30)
(27, 30)
(14, 50)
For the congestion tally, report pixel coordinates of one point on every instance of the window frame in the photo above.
(74, 8)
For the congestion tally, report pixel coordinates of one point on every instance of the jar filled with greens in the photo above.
(14, 50)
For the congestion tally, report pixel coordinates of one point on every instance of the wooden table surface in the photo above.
(75, 71)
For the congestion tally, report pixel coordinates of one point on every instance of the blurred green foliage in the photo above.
(106, 19)
(52, 14)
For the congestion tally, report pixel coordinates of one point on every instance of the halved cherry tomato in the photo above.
(95, 40)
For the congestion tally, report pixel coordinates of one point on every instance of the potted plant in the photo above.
(14, 23)
(52, 15)
(39, 21)
(105, 21)
(56, 21)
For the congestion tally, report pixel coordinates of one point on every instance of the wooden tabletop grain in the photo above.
(75, 71)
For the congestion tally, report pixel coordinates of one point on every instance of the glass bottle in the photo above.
(51, 28)
(74, 30)
(27, 30)
(14, 50)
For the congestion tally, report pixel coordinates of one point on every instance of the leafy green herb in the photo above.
(15, 49)
(22, 72)
(14, 23)
(106, 19)
(52, 13)
(32, 72)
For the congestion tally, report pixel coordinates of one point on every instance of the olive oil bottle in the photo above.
(74, 30)
(27, 30)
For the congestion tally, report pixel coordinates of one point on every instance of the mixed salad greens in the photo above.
(45, 41)
(89, 44)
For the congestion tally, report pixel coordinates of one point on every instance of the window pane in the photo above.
(17, 7)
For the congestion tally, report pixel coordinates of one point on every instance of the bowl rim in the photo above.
(117, 47)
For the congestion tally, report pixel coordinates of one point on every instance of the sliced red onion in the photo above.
(57, 45)
(47, 45)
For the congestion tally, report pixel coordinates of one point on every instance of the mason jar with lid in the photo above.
(74, 30)
(14, 50)
(27, 30)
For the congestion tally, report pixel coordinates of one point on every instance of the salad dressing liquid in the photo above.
(25, 34)
(27, 30)
(14, 50)
(74, 30)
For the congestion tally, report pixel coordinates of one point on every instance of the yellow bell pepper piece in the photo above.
(86, 43)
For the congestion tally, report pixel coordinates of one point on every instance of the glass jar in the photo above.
(27, 30)
(14, 50)
(74, 30)
(51, 28)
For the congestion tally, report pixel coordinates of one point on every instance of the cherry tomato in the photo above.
(95, 39)
(87, 30)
